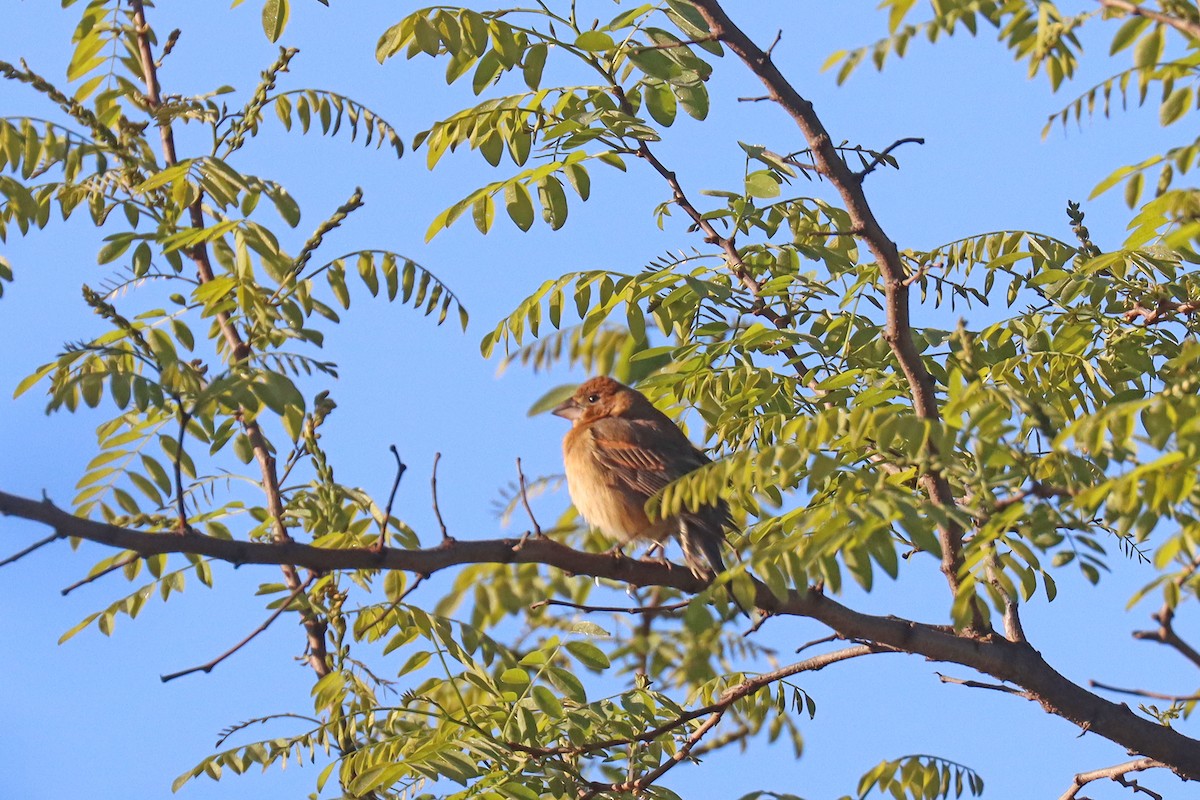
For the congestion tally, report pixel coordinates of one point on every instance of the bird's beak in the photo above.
(568, 409)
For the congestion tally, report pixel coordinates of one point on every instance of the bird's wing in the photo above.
(644, 455)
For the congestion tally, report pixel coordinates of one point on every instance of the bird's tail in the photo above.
(701, 540)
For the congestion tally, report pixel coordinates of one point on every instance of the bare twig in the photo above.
(996, 687)
(1165, 617)
(446, 537)
(180, 504)
(17, 556)
(208, 667)
(1170, 698)
(815, 642)
(755, 624)
(881, 157)
(380, 545)
(652, 609)
(1116, 773)
(778, 38)
(124, 562)
(537, 529)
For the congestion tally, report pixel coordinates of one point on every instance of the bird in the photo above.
(620, 452)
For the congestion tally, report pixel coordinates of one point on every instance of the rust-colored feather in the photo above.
(620, 452)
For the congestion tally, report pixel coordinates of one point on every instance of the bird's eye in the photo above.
(592, 398)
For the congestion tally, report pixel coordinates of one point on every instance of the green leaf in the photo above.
(1149, 49)
(1175, 106)
(595, 41)
(275, 18)
(660, 102)
(535, 63)
(553, 200)
(762, 184)
(694, 99)
(589, 655)
(519, 205)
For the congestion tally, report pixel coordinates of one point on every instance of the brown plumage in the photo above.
(619, 453)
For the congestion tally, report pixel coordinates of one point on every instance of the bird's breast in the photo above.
(603, 498)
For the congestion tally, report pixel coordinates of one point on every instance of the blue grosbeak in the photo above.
(619, 453)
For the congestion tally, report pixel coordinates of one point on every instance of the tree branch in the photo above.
(382, 543)
(1163, 311)
(1170, 698)
(898, 327)
(653, 610)
(1011, 662)
(1116, 773)
(714, 713)
(1189, 29)
(1166, 635)
(40, 543)
(208, 667)
(881, 157)
(537, 529)
(446, 537)
(239, 350)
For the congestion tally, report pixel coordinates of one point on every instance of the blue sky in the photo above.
(91, 717)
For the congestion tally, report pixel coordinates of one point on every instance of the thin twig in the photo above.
(815, 642)
(881, 156)
(208, 667)
(996, 687)
(382, 544)
(763, 616)
(17, 556)
(537, 529)
(672, 45)
(396, 603)
(1116, 773)
(653, 609)
(714, 713)
(1165, 617)
(180, 505)
(446, 537)
(771, 49)
(129, 559)
(1170, 698)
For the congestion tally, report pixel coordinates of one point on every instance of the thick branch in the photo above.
(898, 327)
(1012, 662)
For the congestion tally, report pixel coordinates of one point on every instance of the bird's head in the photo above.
(600, 397)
